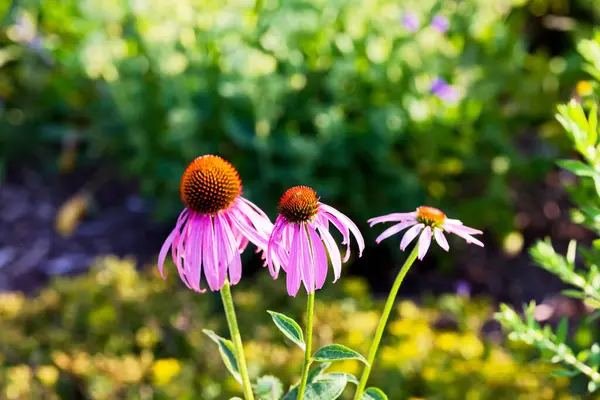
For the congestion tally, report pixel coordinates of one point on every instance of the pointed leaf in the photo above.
(336, 375)
(320, 390)
(227, 353)
(337, 352)
(373, 393)
(565, 373)
(316, 372)
(268, 388)
(289, 328)
(561, 331)
(573, 293)
(577, 167)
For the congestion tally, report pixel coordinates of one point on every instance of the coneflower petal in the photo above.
(394, 217)
(424, 242)
(441, 239)
(410, 235)
(294, 272)
(394, 229)
(319, 256)
(334, 252)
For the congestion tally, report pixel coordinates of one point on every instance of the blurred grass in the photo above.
(118, 333)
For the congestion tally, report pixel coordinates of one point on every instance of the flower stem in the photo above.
(310, 306)
(383, 321)
(234, 330)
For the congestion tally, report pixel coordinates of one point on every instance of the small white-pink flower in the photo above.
(428, 222)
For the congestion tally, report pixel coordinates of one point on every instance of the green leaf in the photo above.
(565, 373)
(561, 331)
(315, 373)
(320, 390)
(289, 328)
(373, 393)
(573, 293)
(227, 353)
(268, 388)
(593, 386)
(337, 352)
(578, 168)
(336, 375)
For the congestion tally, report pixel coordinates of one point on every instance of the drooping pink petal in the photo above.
(307, 264)
(440, 238)
(464, 235)
(394, 217)
(209, 253)
(319, 256)
(192, 249)
(293, 280)
(232, 259)
(347, 222)
(424, 242)
(276, 236)
(333, 250)
(164, 250)
(236, 218)
(394, 229)
(410, 235)
(455, 224)
(257, 217)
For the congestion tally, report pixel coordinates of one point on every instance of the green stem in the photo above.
(310, 306)
(234, 330)
(383, 321)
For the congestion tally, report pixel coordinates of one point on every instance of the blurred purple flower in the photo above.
(443, 91)
(440, 23)
(411, 21)
(463, 289)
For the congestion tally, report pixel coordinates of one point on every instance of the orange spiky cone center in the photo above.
(298, 204)
(209, 184)
(430, 216)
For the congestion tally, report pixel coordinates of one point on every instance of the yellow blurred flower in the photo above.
(71, 213)
(11, 304)
(47, 374)
(583, 88)
(165, 370)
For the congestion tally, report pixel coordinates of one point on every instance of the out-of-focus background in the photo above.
(379, 105)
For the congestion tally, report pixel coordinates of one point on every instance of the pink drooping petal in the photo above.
(233, 262)
(424, 242)
(333, 250)
(464, 235)
(276, 237)
(319, 256)
(343, 224)
(454, 224)
(178, 256)
(410, 235)
(307, 264)
(293, 273)
(164, 250)
(394, 217)
(236, 218)
(209, 253)
(193, 249)
(441, 239)
(257, 217)
(394, 229)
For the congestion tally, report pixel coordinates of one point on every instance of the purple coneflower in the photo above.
(300, 237)
(215, 226)
(410, 20)
(440, 23)
(428, 222)
(442, 90)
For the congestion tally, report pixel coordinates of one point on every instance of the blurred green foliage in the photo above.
(580, 268)
(119, 333)
(333, 94)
